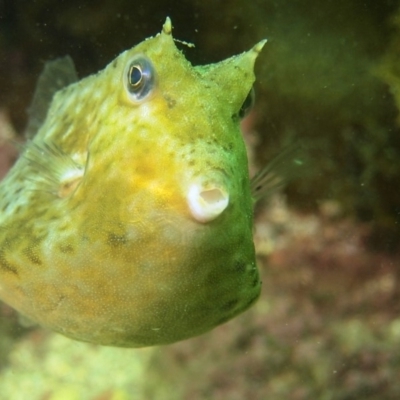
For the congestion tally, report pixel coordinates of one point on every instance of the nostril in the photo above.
(213, 196)
(207, 204)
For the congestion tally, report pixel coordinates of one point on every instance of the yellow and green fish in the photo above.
(128, 219)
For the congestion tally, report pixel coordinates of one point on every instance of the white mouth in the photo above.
(207, 202)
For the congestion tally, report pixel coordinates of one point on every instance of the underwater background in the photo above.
(327, 324)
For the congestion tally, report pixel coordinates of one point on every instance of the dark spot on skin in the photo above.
(66, 248)
(239, 266)
(5, 206)
(115, 240)
(63, 228)
(5, 265)
(18, 190)
(170, 101)
(52, 217)
(191, 163)
(115, 63)
(228, 306)
(256, 282)
(32, 255)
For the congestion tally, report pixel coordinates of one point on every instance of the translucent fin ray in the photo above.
(56, 75)
(284, 167)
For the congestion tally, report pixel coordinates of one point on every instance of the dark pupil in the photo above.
(135, 75)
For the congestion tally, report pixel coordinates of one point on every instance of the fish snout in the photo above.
(207, 200)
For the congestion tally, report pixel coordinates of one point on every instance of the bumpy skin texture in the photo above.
(97, 241)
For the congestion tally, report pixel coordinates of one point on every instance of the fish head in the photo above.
(172, 129)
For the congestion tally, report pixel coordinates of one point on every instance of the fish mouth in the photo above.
(207, 201)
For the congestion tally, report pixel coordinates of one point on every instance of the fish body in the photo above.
(128, 219)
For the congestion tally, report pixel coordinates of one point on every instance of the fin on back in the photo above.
(56, 75)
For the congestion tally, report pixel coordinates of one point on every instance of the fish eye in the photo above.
(247, 104)
(139, 78)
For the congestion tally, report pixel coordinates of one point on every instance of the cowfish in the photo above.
(128, 218)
